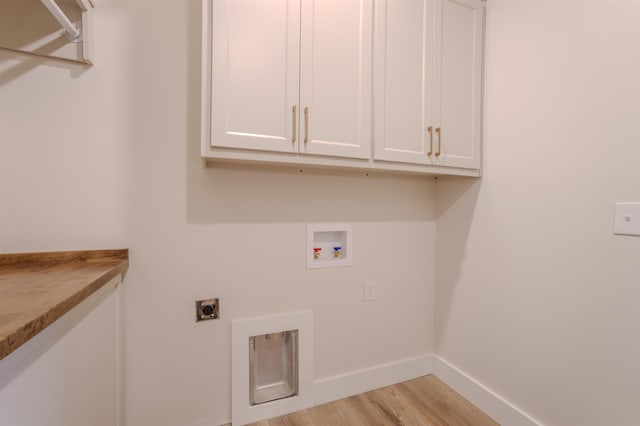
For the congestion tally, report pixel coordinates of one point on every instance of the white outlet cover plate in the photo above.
(369, 291)
(626, 219)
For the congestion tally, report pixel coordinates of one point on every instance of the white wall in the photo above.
(63, 147)
(536, 298)
(109, 157)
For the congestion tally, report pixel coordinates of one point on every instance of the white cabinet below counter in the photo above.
(69, 373)
(320, 83)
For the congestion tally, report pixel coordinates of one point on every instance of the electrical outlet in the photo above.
(369, 291)
(207, 309)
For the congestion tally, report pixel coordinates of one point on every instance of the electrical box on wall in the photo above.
(329, 245)
(626, 219)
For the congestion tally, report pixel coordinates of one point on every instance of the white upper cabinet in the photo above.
(335, 82)
(291, 76)
(254, 73)
(404, 80)
(460, 98)
(428, 82)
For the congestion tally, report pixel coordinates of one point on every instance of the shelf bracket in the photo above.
(71, 32)
(30, 29)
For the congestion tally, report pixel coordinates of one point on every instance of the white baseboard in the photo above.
(359, 381)
(355, 382)
(336, 387)
(482, 397)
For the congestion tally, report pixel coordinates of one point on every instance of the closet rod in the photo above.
(71, 32)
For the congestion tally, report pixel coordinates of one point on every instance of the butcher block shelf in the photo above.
(38, 288)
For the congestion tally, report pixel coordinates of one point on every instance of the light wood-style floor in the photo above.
(425, 401)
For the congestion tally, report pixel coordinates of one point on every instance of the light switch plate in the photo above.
(369, 291)
(626, 219)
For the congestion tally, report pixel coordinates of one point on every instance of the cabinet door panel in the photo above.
(404, 80)
(255, 73)
(336, 77)
(461, 84)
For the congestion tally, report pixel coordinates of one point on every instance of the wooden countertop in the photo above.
(38, 288)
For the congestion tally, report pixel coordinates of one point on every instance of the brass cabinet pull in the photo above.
(295, 121)
(430, 129)
(439, 142)
(306, 124)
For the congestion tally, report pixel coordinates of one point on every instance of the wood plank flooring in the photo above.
(425, 401)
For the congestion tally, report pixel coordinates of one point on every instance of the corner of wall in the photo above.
(481, 396)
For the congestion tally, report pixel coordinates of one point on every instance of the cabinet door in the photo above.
(335, 78)
(404, 80)
(460, 97)
(255, 73)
